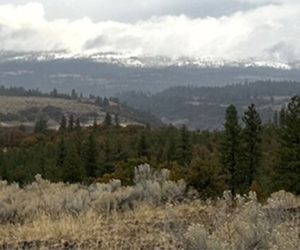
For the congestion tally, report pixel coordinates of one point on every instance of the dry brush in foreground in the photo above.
(155, 213)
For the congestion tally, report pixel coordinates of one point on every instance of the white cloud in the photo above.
(271, 32)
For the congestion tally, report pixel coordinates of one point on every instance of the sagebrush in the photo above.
(154, 213)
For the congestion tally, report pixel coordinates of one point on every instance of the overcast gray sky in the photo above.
(230, 29)
(134, 10)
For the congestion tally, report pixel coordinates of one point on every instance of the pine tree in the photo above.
(54, 93)
(61, 152)
(74, 95)
(117, 121)
(90, 155)
(143, 146)
(99, 101)
(170, 149)
(72, 169)
(282, 117)
(230, 148)
(95, 124)
(77, 125)
(288, 168)
(2, 166)
(105, 102)
(276, 119)
(107, 120)
(71, 123)
(63, 124)
(107, 151)
(41, 125)
(251, 143)
(184, 147)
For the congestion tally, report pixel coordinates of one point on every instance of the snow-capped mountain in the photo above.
(144, 61)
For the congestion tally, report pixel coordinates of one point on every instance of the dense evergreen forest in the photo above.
(246, 154)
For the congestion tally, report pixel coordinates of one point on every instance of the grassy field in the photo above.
(155, 213)
(13, 104)
(16, 111)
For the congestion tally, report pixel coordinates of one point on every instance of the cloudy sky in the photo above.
(229, 29)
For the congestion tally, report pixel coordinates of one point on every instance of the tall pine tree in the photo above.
(184, 147)
(90, 155)
(72, 169)
(288, 168)
(63, 124)
(230, 148)
(251, 143)
(71, 123)
(61, 152)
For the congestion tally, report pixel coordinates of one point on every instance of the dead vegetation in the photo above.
(155, 213)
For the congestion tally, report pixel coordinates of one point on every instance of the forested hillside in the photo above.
(204, 107)
(246, 155)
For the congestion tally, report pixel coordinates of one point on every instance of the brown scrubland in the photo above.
(154, 213)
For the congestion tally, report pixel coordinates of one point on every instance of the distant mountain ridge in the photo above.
(109, 74)
(130, 60)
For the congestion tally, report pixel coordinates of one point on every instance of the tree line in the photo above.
(246, 155)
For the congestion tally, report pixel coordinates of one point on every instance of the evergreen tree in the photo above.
(105, 102)
(61, 152)
(252, 141)
(71, 123)
(184, 147)
(41, 125)
(143, 146)
(99, 101)
(74, 95)
(90, 155)
(77, 125)
(63, 124)
(107, 151)
(282, 117)
(117, 121)
(288, 167)
(107, 120)
(2, 166)
(170, 149)
(276, 119)
(72, 169)
(54, 93)
(230, 148)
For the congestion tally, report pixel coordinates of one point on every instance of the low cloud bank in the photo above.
(269, 32)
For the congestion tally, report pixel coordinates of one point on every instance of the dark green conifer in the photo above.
(252, 143)
(72, 169)
(63, 124)
(117, 121)
(61, 152)
(184, 147)
(71, 123)
(41, 125)
(107, 120)
(230, 148)
(288, 167)
(143, 146)
(77, 125)
(90, 155)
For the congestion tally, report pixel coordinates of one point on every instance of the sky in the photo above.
(227, 29)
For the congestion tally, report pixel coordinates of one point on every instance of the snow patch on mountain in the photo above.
(131, 60)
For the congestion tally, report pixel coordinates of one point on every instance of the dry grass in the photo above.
(13, 104)
(152, 214)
